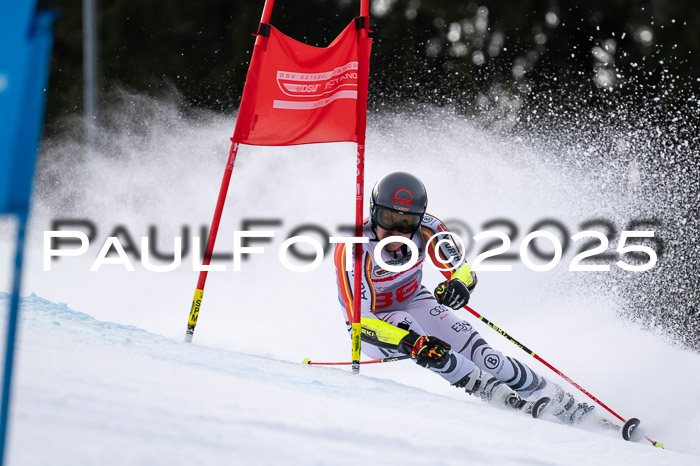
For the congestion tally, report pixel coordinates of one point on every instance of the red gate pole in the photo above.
(199, 292)
(362, 85)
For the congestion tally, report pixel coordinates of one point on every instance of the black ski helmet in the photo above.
(398, 201)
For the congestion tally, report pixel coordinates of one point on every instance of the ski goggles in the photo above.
(392, 220)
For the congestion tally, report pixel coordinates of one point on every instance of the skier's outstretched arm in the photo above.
(428, 351)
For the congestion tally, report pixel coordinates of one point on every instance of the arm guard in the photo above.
(382, 334)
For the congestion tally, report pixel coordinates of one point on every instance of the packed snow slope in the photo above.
(95, 392)
(89, 392)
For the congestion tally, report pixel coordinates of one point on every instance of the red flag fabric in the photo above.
(299, 94)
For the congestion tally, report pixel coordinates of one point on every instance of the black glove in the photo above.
(427, 351)
(453, 293)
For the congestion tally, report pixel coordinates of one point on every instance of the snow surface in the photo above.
(93, 392)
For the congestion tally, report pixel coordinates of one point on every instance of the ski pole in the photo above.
(557, 371)
(347, 363)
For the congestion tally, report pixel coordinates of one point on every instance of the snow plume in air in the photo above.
(640, 152)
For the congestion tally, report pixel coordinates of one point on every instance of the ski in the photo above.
(607, 424)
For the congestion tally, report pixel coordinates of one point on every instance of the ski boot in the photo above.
(490, 389)
(564, 407)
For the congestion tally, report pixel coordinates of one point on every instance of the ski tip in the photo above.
(659, 445)
(629, 429)
(539, 406)
(306, 361)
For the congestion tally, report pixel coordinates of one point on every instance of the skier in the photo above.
(400, 316)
